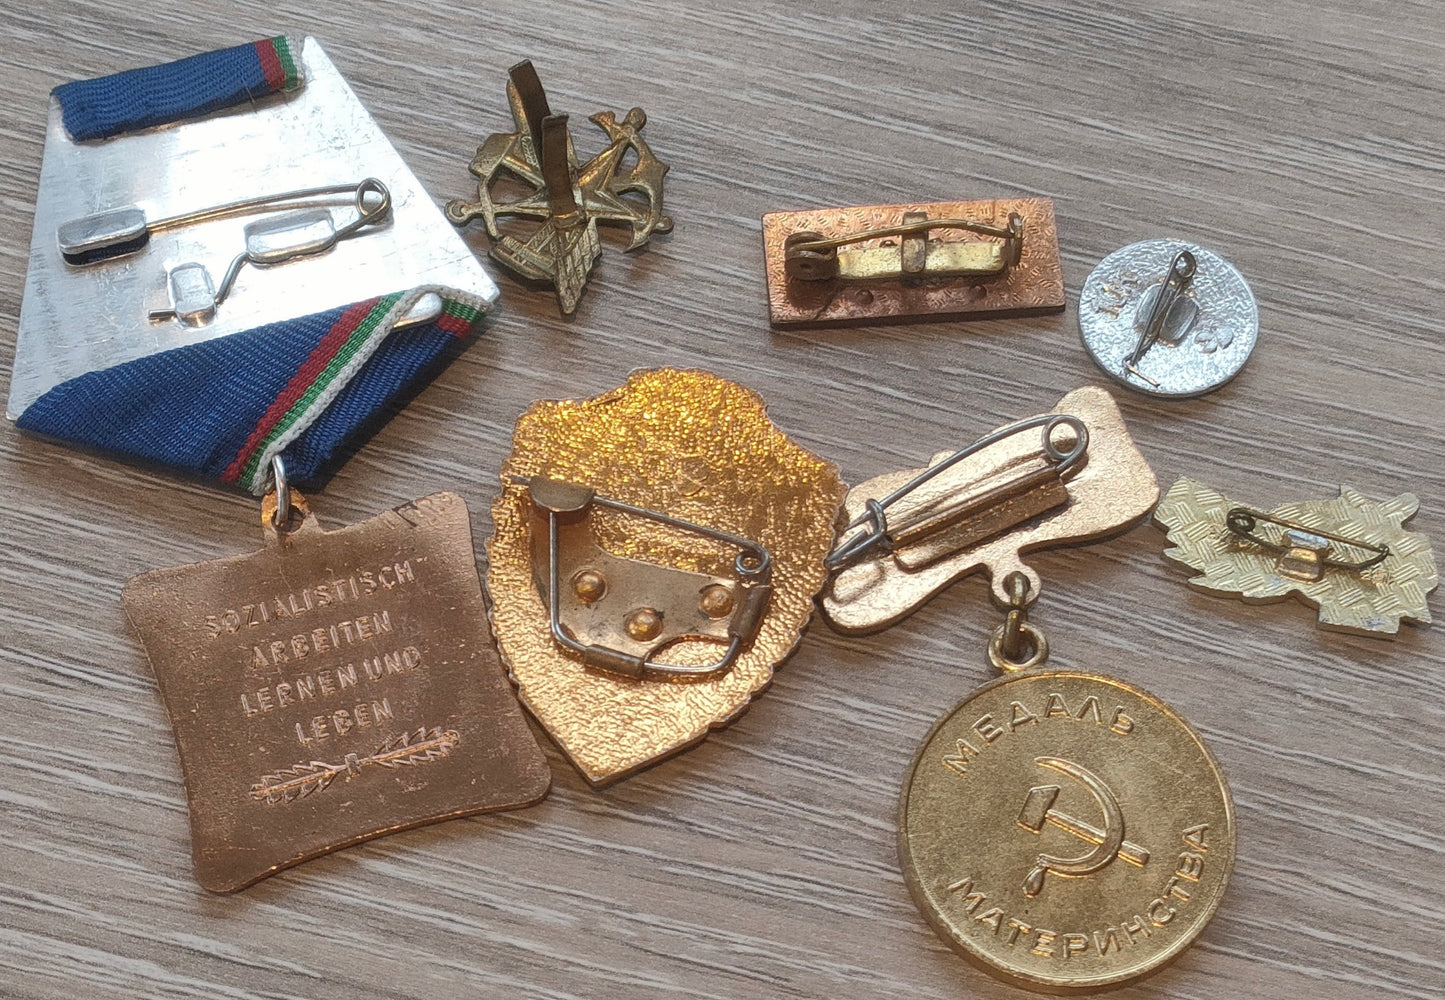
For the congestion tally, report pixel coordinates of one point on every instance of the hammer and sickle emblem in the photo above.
(1109, 843)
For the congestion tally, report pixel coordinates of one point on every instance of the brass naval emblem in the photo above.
(621, 185)
(333, 687)
(1066, 831)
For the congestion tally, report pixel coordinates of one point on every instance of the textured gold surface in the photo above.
(687, 444)
(1035, 285)
(1113, 489)
(1037, 897)
(1363, 602)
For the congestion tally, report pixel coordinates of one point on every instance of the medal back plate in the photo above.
(333, 687)
(687, 444)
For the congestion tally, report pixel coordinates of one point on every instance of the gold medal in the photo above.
(1065, 830)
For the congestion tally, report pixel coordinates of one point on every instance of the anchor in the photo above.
(621, 185)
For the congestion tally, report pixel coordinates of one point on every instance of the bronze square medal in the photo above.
(333, 687)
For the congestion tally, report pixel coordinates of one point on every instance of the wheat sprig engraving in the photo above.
(308, 777)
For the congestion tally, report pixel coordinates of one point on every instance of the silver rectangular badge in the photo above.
(107, 285)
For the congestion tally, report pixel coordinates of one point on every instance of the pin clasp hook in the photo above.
(810, 256)
(1304, 551)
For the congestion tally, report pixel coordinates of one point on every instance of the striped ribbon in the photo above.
(222, 408)
(187, 88)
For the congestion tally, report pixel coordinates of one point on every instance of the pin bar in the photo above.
(1243, 522)
(86, 239)
(1181, 275)
(811, 257)
(885, 535)
(301, 234)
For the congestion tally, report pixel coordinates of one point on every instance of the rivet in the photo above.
(643, 624)
(716, 601)
(589, 585)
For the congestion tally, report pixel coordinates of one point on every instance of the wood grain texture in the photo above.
(1302, 141)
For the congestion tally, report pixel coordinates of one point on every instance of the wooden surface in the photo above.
(1304, 142)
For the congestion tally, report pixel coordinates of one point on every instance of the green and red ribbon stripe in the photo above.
(278, 63)
(350, 333)
(457, 317)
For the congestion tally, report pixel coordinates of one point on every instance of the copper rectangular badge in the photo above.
(890, 263)
(333, 687)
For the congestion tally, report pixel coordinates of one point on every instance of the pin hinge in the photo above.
(1305, 550)
(809, 256)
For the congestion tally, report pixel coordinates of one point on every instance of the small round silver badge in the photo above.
(1168, 318)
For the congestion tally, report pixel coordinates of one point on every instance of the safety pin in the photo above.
(1181, 274)
(119, 231)
(809, 256)
(883, 534)
(621, 602)
(298, 233)
(1242, 522)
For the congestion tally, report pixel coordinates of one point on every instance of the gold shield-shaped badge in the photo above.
(656, 554)
(333, 687)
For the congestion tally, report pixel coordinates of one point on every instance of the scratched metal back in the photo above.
(81, 319)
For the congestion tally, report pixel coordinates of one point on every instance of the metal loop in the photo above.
(372, 186)
(1014, 637)
(1013, 634)
(282, 517)
(1017, 586)
(749, 564)
(1002, 662)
